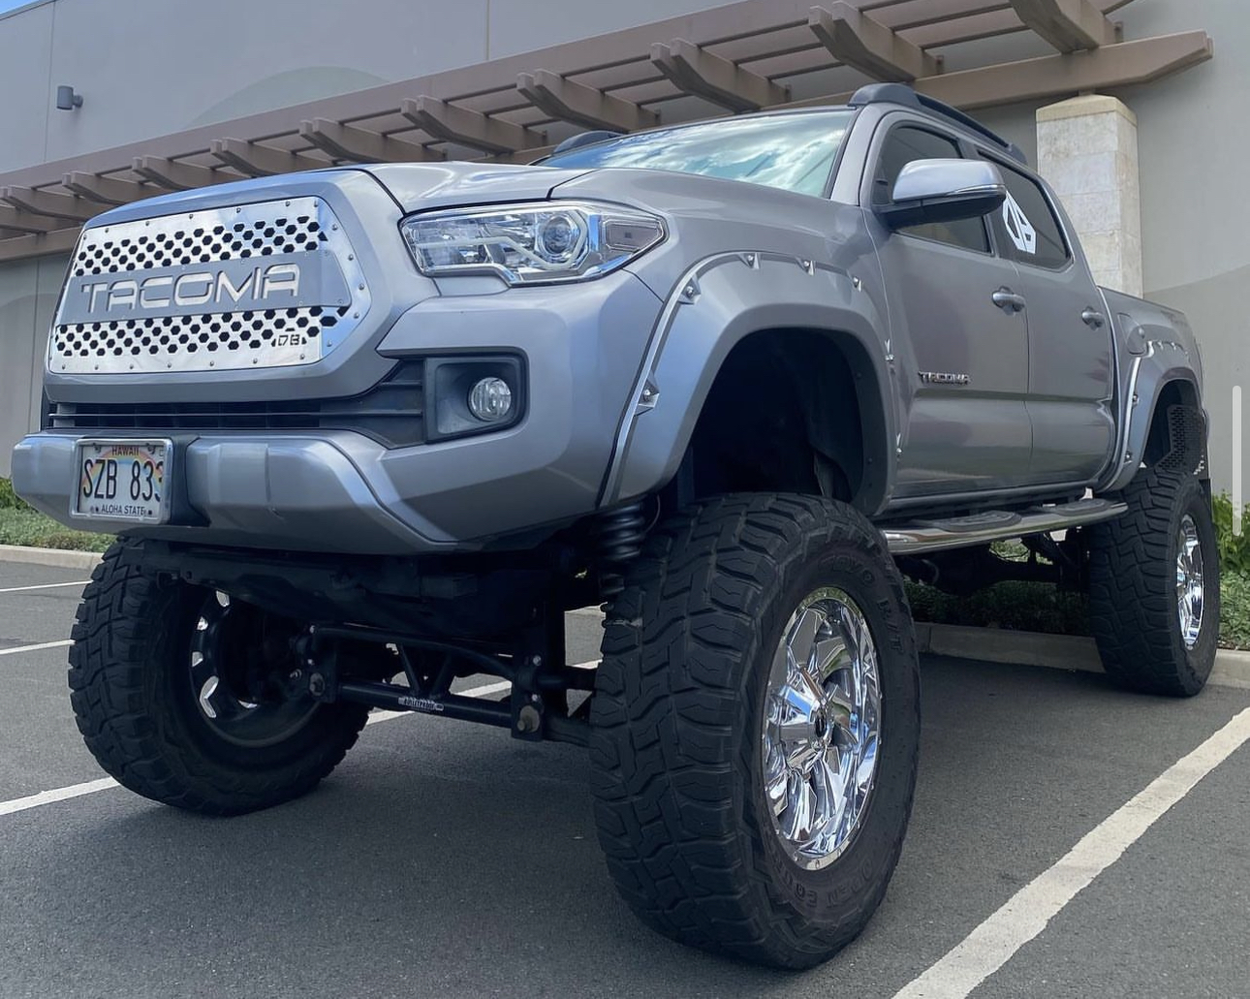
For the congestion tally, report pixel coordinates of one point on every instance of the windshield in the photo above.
(793, 152)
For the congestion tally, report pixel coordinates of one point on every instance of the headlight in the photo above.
(531, 244)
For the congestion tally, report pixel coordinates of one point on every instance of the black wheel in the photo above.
(755, 726)
(187, 697)
(1155, 586)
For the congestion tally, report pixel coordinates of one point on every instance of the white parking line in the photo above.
(60, 794)
(44, 586)
(36, 648)
(1027, 913)
(91, 787)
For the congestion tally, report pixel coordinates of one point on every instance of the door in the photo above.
(1071, 376)
(960, 343)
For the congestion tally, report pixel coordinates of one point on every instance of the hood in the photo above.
(419, 186)
(414, 186)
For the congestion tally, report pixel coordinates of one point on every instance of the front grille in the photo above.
(392, 413)
(264, 285)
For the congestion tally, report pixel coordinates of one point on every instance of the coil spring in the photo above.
(621, 533)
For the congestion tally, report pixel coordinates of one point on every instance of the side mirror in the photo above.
(944, 191)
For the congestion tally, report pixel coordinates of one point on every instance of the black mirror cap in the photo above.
(949, 208)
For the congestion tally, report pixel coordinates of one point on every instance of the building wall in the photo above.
(1192, 149)
(235, 57)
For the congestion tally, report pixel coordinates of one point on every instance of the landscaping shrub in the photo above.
(9, 500)
(1234, 548)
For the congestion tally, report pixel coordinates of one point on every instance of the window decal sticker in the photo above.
(1019, 228)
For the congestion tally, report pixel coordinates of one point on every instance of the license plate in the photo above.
(122, 480)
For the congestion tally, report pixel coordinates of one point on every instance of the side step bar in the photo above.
(921, 536)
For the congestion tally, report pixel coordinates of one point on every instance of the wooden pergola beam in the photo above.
(697, 71)
(1124, 64)
(469, 128)
(360, 145)
(855, 39)
(1068, 25)
(39, 244)
(20, 221)
(173, 175)
(255, 160)
(582, 105)
(50, 204)
(105, 190)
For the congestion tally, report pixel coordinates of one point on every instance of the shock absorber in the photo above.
(620, 536)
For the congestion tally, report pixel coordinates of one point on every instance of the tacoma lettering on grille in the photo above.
(263, 285)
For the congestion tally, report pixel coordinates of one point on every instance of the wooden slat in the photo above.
(175, 176)
(699, 72)
(581, 105)
(348, 142)
(105, 190)
(47, 203)
(855, 39)
(15, 218)
(965, 29)
(1068, 25)
(256, 160)
(914, 13)
(469, 128)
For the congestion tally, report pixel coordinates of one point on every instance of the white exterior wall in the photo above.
(150, 67)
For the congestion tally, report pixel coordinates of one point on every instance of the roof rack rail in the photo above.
(898, 93)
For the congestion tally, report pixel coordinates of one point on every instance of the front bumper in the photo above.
(340, 491)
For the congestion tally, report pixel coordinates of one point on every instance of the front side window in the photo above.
(906, 144)
(1028, 231)
(792, 152)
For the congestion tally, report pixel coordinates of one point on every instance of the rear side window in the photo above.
(906, 144)
(1026, 226)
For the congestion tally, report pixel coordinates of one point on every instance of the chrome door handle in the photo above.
(1093, 319)
(1009, 301)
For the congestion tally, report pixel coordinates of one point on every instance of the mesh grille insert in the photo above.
(173, 243)
(192, 292)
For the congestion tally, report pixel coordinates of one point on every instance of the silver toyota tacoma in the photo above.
(364, 431)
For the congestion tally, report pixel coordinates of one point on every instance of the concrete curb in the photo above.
(1023, 648)
(49, 556)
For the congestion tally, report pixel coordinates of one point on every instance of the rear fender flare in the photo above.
(1164, 362)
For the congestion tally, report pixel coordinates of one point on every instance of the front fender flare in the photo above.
(719, 302)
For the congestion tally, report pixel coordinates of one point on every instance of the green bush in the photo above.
(1235, 598)
(1013, 606)
(1234, 548)
(9, 500)
(32, 528)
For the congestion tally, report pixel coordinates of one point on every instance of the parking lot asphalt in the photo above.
(445, 859)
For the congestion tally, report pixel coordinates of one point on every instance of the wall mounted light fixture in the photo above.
(66, 99)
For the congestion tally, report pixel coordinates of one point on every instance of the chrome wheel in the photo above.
(240, 676)
(821, 728)
(1189, 582)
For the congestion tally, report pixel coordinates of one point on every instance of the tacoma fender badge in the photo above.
(944, 378)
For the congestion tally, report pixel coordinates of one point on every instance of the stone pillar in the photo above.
(1087, 151)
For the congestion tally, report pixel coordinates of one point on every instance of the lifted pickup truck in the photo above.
(366, 430)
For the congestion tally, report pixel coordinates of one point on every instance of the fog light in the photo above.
(490, 400)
